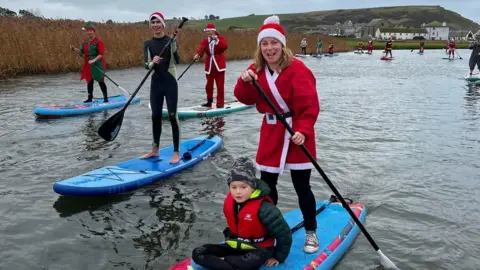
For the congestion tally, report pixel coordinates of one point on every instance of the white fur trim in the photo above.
(274, 33)
(272, 19)
(209, 29)
(298, 166)
(159, 18)
(283, 105)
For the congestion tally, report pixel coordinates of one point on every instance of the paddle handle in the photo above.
(315, 164)
(184, 19)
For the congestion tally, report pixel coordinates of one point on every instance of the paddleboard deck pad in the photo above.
(77, 108)
(136, 173)
(199, 111)
(472, 78)
(336, 233)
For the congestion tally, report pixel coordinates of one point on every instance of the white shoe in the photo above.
(311, 242)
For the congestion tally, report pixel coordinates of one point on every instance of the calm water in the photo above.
(402, 137)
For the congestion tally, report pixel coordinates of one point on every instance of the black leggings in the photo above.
(103, 87)
(164, 88)
(209, 256)
(388, 51)
(306, 199)
(475, 60)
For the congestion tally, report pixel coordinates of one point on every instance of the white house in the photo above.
(437, 30)
(400, 33)
(462, 35)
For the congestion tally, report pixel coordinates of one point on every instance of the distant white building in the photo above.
(437, 30)
(400, 33)
(462, 35)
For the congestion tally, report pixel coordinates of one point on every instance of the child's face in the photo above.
(240, 191)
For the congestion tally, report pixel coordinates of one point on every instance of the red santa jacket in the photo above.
(215, 48)
(247, 225)
(451, 44)
(292, 91)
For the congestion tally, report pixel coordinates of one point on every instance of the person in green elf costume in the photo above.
(92, 50)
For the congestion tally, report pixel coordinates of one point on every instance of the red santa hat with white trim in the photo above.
(210, 27)
(271, 28)
(159, 16)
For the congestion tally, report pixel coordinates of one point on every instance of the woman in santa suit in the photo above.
(292, 88)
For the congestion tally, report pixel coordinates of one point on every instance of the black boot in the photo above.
(89, 99)
(208, 104)
(105, 99)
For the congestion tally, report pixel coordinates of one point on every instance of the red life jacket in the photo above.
(249, 228)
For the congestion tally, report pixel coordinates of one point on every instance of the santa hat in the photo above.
(157, 15)
(89, 26)
(271, 28)
(210, 27)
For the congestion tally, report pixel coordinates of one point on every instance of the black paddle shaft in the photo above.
(191, 63)
(315, 164)
(188, 155)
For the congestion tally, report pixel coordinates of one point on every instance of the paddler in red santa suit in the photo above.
(292, 88)
(214, 46)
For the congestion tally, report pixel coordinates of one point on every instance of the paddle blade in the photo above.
(386, 262)
(110, 128)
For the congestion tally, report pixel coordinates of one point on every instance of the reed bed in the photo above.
(41, 46)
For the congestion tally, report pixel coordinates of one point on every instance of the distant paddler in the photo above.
(92, 49)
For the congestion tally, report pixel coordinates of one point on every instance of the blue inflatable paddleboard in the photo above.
(78, 108)
(336, 233)
(330, 55)
(136, 173)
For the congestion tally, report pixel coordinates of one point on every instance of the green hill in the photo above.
(407, 16)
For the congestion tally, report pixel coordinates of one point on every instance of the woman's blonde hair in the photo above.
(285, 59)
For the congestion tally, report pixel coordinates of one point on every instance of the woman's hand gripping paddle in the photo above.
(384, 260)
(110, 128)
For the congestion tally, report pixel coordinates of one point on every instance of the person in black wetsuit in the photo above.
(475, 56)
(163, 83)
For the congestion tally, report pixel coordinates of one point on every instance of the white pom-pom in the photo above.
(272, 19)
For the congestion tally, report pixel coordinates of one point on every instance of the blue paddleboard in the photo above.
(336, 233)
(330, 55)
(77, 108)
(136, 173)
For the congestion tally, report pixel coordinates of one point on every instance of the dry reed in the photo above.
(36, 46)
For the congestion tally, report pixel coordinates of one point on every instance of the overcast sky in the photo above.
(138, 10)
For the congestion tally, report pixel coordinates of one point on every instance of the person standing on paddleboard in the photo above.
(92, 50)
(254, 224)
(292, 87)
(421, 47)
(451, 48)
(331, 49)
(303, 46)
(475, 56)
(370, 46)
(360, 46)
(388, 47)
(214, 46)
(163, 84)
(319, 46)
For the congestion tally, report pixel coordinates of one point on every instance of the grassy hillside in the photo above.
(412, 16)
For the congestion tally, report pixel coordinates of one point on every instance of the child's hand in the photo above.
(272, 262)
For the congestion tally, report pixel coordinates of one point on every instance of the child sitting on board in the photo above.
(254, 223)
